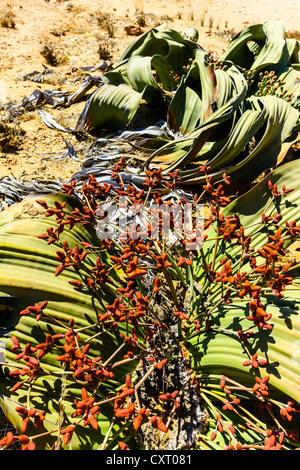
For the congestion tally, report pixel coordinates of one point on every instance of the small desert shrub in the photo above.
(166, 18)
(11, 135)
(106, 22)
(105, 47)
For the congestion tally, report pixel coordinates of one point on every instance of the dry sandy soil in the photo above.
(71, 27)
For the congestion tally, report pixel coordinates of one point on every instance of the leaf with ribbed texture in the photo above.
(146, 44)
(270, 34)
(111, 107)
(276, 118)
(141, 73)
(291, 85)
(114, 104)
(196, 138)
(166, 42)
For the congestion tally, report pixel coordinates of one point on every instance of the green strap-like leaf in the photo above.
(185, 109)
(27, 274)
(219, 352)
(280, 118)
(274, 50)
(146, 44)
(202, 78)
(280, 345)
(291, 86)
(111, 107)
(253, 204)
